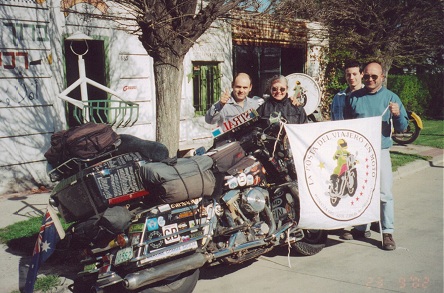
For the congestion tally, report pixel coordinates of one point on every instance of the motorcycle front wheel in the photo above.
(409, 135)
(352, 182)
(313, 242)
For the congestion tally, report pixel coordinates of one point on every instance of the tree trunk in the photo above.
(168, 81)
(387, 64)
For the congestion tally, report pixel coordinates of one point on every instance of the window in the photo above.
(261, 63)
(206, 86)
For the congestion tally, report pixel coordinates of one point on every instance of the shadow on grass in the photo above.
(63, 262)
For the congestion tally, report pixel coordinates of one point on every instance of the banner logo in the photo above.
(341, 173)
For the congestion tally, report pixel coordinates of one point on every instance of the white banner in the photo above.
(337, 163)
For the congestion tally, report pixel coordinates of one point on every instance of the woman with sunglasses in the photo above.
(278, 102)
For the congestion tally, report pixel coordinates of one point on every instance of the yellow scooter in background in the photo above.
(412, 132)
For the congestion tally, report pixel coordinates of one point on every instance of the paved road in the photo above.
(353, 266)
(357, 266)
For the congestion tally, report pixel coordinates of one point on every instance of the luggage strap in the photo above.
(173, 161)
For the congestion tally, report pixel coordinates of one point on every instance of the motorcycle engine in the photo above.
(254, 200)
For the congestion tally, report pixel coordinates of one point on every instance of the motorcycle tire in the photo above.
(352, 189)
(183, 283)
(409, 135)
(314, 240)
(334, 201)
(312, 243)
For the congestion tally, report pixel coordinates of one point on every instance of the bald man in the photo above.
(232, 104)
(370, 101)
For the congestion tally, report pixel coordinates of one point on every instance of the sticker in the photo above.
(278, 213)
(203, 212)
(161, 221)
(276, 202)
(135, 238)
(164, 208)
(136, 228)
(255, 168)
(182, 226)
(152, 224)
(250, 179)
(185, 238)
(242, 179)
(185, 215)
(154, 235)
(185, 203)
(169, 230)
(232, 183)
(196, 234)
(192, 224)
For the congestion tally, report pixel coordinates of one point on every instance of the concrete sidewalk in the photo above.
(436, 158)
(20, 207)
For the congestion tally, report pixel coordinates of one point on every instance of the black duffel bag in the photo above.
(176, 180)
(100, 229)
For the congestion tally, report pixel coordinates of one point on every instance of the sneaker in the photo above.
(355, 234)
(387, 242)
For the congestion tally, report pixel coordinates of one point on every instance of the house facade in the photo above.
(38, 62)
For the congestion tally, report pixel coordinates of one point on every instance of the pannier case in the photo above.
(226, 156)
(100, 186)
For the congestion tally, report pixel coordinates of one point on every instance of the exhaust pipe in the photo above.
(151, 275)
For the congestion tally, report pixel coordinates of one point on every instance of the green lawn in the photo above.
(401, 159)
(432, 134)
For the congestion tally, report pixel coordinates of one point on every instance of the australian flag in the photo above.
(50, 233)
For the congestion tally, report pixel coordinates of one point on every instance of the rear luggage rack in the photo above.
(74, 165)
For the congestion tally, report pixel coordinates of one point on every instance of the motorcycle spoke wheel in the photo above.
(312, 243)
(351, 186)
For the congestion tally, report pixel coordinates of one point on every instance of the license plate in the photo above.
(123, 255)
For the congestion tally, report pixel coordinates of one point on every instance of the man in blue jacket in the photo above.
(353, 76)
(374, 100)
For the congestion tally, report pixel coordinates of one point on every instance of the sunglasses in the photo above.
(367, 77)
(275, 89)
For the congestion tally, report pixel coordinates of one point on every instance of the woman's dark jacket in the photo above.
(293, 114)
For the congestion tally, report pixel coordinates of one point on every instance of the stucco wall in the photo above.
(32, 74)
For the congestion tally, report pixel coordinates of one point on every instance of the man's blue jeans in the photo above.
(387, 204)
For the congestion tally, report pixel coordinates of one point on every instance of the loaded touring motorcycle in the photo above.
(149, 226)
